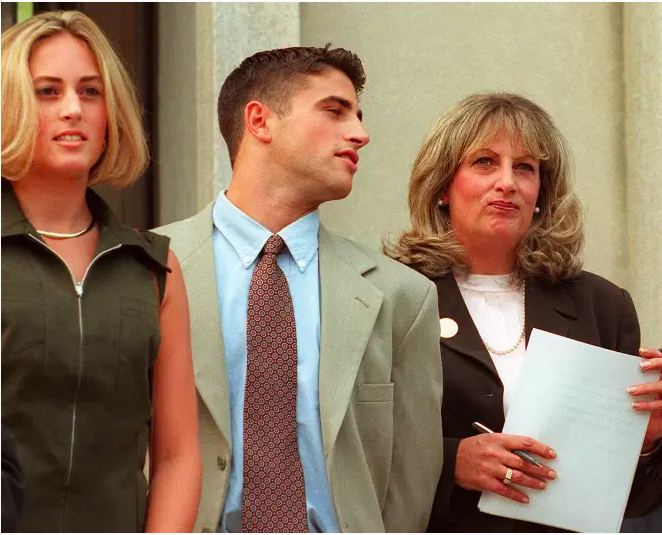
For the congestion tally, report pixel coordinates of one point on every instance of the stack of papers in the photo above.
(573, 397)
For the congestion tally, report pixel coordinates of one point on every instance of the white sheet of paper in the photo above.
(573, 397)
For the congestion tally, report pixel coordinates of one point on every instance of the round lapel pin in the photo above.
(447, 328)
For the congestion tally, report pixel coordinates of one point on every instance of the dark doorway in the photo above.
(131, 28)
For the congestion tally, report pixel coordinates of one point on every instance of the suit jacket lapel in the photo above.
(206, 336)
(467, 340)
(549, 309)
(349, 307)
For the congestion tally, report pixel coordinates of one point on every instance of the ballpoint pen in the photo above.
(521, 454)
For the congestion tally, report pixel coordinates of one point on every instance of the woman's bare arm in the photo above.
(175, 466)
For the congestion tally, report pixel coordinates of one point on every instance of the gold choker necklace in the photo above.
(63, 235)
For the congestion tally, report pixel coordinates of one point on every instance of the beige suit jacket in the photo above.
(380, 382)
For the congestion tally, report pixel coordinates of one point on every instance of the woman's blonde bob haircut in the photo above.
(551, 250)
(125, 156)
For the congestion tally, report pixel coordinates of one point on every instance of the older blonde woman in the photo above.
(96, 357)
(497, 227)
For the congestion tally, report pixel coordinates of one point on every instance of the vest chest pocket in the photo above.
(23, 306)
(23, 322)
(139, 340)
(24, 328)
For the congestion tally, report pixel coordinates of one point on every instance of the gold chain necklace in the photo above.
(64, 235)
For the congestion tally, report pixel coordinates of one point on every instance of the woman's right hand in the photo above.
(483, 460)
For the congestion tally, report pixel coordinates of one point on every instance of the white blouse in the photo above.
(497, 308)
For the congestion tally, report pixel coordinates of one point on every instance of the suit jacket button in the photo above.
(221, 462)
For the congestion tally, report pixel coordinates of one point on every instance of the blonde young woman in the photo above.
(497, 227)
(96, 357)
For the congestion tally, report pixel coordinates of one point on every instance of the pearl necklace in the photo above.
(63, 235)
(519, 338)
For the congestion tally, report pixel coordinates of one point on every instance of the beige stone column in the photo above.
(241, 30)
(642, 53)
(199, 44)
(184, 153)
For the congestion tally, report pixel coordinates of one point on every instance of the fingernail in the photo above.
(525, 500)
(552, 453)
(636, 405)
(632, 389)
(542, 484)
(645, 364)
(551, 474)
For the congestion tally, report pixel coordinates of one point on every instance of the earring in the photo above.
(536, 210)
(442, 202)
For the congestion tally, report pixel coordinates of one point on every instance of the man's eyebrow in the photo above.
(342, 102)
(89, 78)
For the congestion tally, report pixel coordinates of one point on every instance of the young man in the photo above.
(316, 359)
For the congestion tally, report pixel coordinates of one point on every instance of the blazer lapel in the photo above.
(349, 307)
(206, 337)
(549, 309)
(467, 340)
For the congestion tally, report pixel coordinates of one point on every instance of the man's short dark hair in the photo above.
(272, 77)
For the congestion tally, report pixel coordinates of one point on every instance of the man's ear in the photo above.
(256, 116)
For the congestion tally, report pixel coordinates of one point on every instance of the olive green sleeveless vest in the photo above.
(76, 371)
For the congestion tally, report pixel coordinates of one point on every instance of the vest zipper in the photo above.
(78, 288)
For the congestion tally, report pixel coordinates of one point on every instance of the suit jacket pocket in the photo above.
(374, 392)
(374, 420)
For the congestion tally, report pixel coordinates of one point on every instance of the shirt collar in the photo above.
(247, 237)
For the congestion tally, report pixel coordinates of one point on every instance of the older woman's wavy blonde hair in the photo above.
(125, 157)
(551, 249)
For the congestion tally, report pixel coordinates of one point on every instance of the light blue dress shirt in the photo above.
(237, 241)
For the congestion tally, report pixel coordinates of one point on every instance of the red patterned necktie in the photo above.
(274, 497)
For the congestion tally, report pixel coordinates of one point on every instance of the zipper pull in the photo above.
(79, 289)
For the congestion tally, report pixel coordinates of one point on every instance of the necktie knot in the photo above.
(274, 245)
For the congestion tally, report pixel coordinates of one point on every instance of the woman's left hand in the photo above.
(652, 360)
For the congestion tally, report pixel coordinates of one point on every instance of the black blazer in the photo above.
(589, 309)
